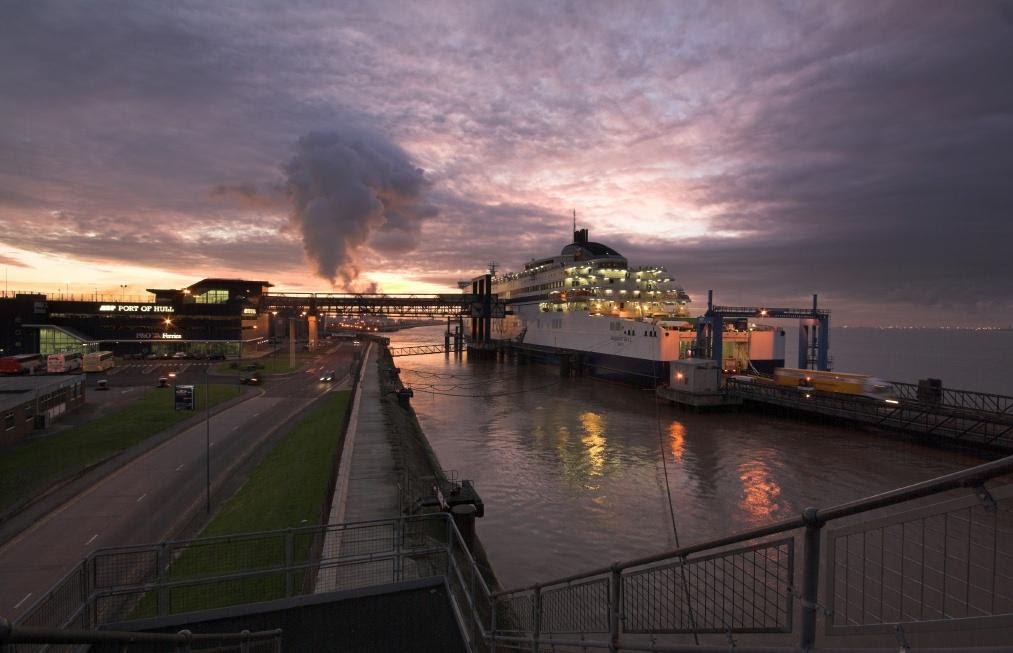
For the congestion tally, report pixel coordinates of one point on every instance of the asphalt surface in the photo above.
(151, 498)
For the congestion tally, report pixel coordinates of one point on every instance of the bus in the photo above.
(23, 364)
(63, 363)
(98, 361)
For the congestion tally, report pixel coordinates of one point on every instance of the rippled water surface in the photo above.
(572, 471)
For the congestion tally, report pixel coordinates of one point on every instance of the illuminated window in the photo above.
(213, 296)
(55, 341)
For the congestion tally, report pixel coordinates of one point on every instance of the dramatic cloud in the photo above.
(767, 150)
(350, 190)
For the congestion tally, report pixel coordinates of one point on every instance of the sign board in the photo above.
(135, 308)
(184, 397)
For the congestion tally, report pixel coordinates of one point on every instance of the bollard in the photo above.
(464, 519)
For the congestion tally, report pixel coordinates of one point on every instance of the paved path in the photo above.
(367, 484)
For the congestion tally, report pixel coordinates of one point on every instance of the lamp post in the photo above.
(207, 438)
(123, 291)
(172, 378)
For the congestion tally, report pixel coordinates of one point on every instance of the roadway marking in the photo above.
(93, 537)
(254, 415)
(179, 468)
(141, 498)
(123, 392)
(22, 601)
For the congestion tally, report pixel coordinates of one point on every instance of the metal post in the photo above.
(398, 560)
(289, 561)
(207, 440)
(492, 623)
(717, 346)
(810, 577)
(536, 618)
(614, 607)
(161, 592)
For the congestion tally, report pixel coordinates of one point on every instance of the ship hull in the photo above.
(635, 351)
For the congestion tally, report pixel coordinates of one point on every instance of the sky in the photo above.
(766, 150)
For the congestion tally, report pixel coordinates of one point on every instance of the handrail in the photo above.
(12, 634)
(964, 478)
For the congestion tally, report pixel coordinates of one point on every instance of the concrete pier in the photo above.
(366, 482)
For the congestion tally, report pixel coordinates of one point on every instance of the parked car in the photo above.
(216, 356)
(163, 382)
(181, 354)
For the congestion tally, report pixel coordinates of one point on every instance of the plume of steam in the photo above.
(351, 191)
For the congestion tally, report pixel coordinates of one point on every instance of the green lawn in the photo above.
(30, 467)
(286, 490)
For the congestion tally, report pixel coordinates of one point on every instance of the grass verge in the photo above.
(34, 465)
(270, 364)
(286, 490)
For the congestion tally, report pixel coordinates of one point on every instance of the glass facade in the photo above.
(213, 296)
(58, 341)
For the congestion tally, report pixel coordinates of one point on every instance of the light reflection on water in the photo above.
(571, 472)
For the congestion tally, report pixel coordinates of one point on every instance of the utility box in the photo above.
(695, 375)
(930, 390)
(184, 397)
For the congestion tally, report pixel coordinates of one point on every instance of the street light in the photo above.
(123, 291)
(207, 439)
(172, 378)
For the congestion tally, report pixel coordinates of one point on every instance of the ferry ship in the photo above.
(621, 322)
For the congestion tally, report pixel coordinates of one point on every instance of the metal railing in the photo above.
(127, 583)
(967, 417)
(942, 571)
(906, 563)
(963, 399)
(418, 350)
(265, 641)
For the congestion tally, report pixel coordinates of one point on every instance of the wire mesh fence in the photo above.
(746, 589)
(944, 566)
(924, 567)
(120, 584)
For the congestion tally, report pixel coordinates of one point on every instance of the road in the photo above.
(153, 496)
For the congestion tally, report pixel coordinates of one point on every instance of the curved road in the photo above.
(152, 497)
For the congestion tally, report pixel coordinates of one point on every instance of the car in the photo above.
(102, 384)
(252, 379)
(216, 356)
(356, 343)
(181, 354)
(163, 382)
(328, 376)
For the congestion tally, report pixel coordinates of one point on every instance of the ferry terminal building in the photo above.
(212, 316)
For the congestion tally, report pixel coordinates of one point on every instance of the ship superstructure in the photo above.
(625, 322)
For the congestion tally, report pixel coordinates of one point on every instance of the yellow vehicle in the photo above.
(840, 382)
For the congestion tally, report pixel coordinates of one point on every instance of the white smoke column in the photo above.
(351, 191)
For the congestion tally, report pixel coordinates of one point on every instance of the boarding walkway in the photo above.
(366, 488)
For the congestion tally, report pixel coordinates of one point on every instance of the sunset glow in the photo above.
(765, 151)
